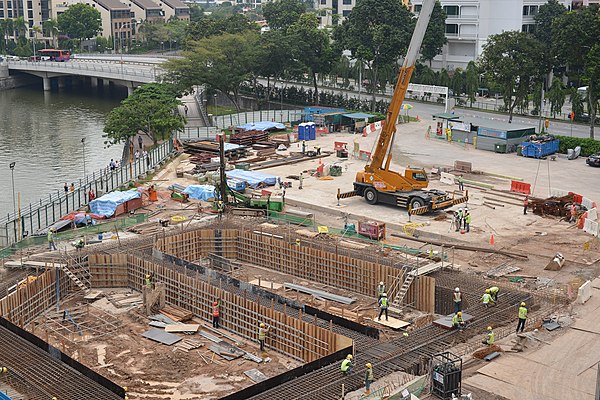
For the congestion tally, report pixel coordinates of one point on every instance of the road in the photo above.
(426, 110)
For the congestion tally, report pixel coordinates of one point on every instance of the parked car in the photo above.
(593, 160)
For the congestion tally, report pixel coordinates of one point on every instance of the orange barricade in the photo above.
(339, 146)
(520, 187)
(577, 198)
(581, 220)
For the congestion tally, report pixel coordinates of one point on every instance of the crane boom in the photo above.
(385, 137)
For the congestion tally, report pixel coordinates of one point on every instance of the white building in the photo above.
(471, 22)
(332, 12)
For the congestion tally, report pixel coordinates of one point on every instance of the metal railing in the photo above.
(227, 121)
(148, 74)
(39, 215)
(198, 132)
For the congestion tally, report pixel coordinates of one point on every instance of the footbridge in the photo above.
(129, 71)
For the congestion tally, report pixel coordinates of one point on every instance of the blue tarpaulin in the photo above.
(261, 126)
(200, 192)
(253, 178)
(107, 204)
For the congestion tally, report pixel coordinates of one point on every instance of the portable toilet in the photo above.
(312, 127)
(302, 131)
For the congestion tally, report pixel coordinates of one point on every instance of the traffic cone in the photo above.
(492, 241)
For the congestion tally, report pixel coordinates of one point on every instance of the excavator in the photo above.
(377, 183)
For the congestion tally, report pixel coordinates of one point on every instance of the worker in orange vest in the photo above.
(216, 314)
(525, 204)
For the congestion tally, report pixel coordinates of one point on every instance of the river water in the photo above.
(41, 132)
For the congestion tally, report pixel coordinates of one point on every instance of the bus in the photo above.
(54, 55)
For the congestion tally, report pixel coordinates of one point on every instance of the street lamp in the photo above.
(83, 144)
(12, 173)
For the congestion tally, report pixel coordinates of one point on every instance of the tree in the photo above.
(222, 63)
(592, 78)
(576, 103)
(556, 97)
(510, 59)
(457, 82)
(575, 34)
(312, 48)
(7, 27)
(281, 14)
(80, 21)
(211, 26)
(196, 13)
(150, 110)
(547, 14)
(377, 33)
(471, 81)
(435, 36)
(50, 28)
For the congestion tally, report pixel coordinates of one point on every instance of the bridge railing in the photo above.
(39, 215)
(227, 121)
(72, 67)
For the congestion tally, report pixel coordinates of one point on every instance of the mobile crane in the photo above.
(377, 183)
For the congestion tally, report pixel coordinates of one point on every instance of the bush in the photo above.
(588, 145)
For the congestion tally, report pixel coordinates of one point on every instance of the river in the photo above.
(41, 132)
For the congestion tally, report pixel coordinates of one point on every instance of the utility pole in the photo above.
(541, 108)
(223, 179)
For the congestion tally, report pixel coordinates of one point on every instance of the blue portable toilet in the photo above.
(303, 132)
(312, 127)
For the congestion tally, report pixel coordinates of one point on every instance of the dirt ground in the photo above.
(151, 370)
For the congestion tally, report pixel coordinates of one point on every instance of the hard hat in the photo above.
(457, 290)
(523, 304)
(349, 356)
(148, 276)
(4, 370)
(369, 365)
(381, 283)
(489, 328)
(487, 290)
(262, 325)
(383, 294)
(459, 313)
(215, 303)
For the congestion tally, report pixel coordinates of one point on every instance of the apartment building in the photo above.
(333, 12)
(175, 8)
(32, 11)
(471, 22)
(146, 10)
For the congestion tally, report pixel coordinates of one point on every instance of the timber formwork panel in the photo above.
(28, 302)
(108, 271)
(240, 314)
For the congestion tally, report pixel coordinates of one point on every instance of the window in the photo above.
(530, 28)
(452, 29)
(29, 4)
(345, 13)
(419, 176)
(30, 15)
(452, 11)
(1, 13)
(323, 2)
(530, 10)
(347, 2)
(418, 7)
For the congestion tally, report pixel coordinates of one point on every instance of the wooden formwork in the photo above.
(324, 265)
(108, 270)
(28, 302)
(292, 336)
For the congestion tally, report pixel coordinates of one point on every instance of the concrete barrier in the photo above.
(584, 292)
(590, 227)
(447, 178)
(588, 203)
(558, 192)
(593, 214)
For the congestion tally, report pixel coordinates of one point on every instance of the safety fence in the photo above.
(227, 121)
(39, 215)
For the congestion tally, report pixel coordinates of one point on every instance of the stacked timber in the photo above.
(248, 138)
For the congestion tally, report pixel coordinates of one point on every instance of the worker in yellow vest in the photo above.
(262, 335)
(494, 290)
(346, 366)
(457, 298)
(383, 305)
(458, 321)
(487, 298)
(522, 317)
(489, 339)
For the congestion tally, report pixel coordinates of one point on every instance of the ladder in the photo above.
(74, 278)
(77, 273)
(403, 290)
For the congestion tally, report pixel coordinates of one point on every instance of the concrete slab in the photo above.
(393, 323)
(446, 321)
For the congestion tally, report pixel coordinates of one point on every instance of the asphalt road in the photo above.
(426, 110)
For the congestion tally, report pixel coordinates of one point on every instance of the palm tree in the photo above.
(51, 29)
(20, 25)
(8, 27)
(36, 30)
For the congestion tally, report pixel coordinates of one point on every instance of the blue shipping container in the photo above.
(539, 150)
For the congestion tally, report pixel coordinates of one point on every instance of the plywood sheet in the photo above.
(158, 335)
(393, 323)
(182, 328)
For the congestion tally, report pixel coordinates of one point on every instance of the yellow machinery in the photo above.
(377, 183)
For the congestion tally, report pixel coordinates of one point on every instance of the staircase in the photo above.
(77, 272)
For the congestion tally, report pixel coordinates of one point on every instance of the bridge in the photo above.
(128, 71)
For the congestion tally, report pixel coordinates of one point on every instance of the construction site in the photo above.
(352, 266)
